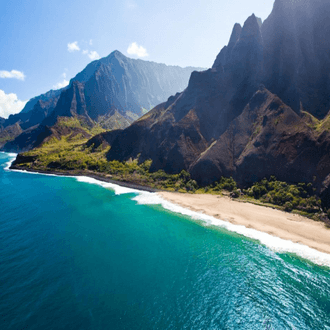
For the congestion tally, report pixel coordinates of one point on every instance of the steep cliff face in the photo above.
(252, 114)
(131, 86)
(71, 103)
(296, 54)
(176, 132)
(111, 92)
(268, 138)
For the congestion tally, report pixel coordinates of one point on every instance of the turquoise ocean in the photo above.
(80, 254)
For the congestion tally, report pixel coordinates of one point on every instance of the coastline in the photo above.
(270, 227)
(91, 175)
(287, 226)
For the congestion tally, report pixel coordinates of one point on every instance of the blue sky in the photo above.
(44, 43)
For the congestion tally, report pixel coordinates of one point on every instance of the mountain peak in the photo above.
(235, 34)
(117, 53)
(251, 28)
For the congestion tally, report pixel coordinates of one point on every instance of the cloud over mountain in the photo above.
(63, 83)
(10, 104)
(93, 55)
(135, 49)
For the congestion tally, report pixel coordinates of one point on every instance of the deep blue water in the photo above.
(76, 256)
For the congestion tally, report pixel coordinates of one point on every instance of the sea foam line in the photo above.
(119, 190)
(274, 243)
(147, 198)
(13, 157)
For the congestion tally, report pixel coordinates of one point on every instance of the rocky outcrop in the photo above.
(103, 140)
(268, 138)
(71, 103)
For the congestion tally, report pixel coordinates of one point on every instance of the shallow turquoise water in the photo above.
(76, 256)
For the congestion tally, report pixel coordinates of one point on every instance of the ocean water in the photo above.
(79, 255)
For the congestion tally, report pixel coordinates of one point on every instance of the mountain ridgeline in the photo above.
(261, 110)
(111, 93)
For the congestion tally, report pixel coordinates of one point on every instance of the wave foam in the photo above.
(12, 158)
(119, 190)
(274, 243)
(147, 198)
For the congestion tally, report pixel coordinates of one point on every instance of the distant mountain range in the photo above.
(111, 92)
(261, 110)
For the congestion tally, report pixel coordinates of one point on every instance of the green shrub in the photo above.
(288, 206)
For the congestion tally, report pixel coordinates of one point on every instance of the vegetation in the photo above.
(5, 139)
(289, 197)
(71, 154)
(75, 122)
(318, 125)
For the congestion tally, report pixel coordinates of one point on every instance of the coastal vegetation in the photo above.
(71, 154)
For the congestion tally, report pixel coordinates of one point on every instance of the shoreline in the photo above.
(92, 175)
(235, 216)
(276, 223)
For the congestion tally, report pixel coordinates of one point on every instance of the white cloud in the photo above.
(10, 104)
(63, 83)
(135, 49)
(131, 4)
(12, 74)
(93, 55)
(90, 42)
(73, 47)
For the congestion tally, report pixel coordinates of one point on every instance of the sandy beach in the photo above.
(277, 223)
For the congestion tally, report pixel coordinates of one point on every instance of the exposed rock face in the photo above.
(123, 84)
(296, 54)
(176, 132)
(268, 138)
(243, 117)
(70, 104)
(113, 92)
(103, 140)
